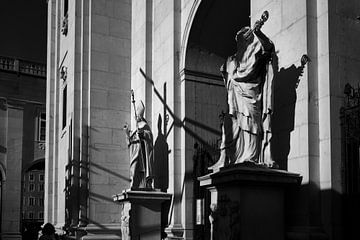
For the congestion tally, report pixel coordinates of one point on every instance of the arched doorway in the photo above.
(32, 207)
(209, 39)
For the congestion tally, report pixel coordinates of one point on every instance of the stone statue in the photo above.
(246, 128)
(140, 143)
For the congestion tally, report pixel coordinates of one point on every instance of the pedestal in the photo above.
(247, 203)
(141, 214)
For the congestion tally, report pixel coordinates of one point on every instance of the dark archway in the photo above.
(216, 23)
(36, 165)
(209, 40)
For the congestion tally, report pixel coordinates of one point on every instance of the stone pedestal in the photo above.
(141, 214)
(248, 202)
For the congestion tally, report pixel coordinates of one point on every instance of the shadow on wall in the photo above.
(161, 150)
(161, 156)
(331, 215)
(285, 82)
(309, 213)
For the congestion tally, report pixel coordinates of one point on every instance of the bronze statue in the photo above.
(246, 129)
(140, 143)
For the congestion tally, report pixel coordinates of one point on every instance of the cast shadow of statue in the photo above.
(161, 158)
(285, 83)
(161, 170)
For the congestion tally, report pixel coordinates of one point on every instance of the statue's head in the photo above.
(140, 110)
(244, 37)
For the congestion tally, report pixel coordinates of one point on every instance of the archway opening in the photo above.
(215, 25)
(32, 207)
(211, 40)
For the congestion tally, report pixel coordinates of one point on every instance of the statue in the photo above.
(140, 143)
(246, 128)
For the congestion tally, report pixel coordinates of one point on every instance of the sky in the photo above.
(23, 29)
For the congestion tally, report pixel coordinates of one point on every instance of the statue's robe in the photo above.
(141, 156)
(247, 127)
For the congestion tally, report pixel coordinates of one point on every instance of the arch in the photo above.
(36, 164)
(207, 40)
(213, 25)
(186, 34)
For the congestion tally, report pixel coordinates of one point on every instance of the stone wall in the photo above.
(96, 53)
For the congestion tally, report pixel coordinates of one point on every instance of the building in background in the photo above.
(22, 106)
(32, 211)
(95, 51)
(22, 142)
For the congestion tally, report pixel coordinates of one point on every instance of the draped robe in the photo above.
(141, 156)
(247, 127)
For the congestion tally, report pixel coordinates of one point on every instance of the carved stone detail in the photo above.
(64, 26)
(125, 222)
(225, 219)
(63, 73)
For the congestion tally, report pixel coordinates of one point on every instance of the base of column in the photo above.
(174, 232)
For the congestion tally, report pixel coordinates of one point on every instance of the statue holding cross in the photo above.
(140, 143)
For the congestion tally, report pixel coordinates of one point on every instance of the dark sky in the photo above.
(23, 29)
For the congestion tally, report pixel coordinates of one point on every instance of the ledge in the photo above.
(250, 175)
(137, 195)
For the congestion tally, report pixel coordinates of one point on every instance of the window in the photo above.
(41, 187)
(41, 127)
(31, 187)
(41, 177)
(31, 201)
(64, 102)
(31, 215)
(41, 202)
(41, 215)
(31, 177)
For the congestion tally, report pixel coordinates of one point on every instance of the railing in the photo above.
(23, 67)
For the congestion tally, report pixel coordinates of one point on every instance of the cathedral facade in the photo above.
(170, 52)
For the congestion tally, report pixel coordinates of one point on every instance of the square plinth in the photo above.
(141, 214)
(248, 202)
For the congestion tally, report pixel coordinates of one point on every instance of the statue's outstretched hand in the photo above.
(257, 26)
